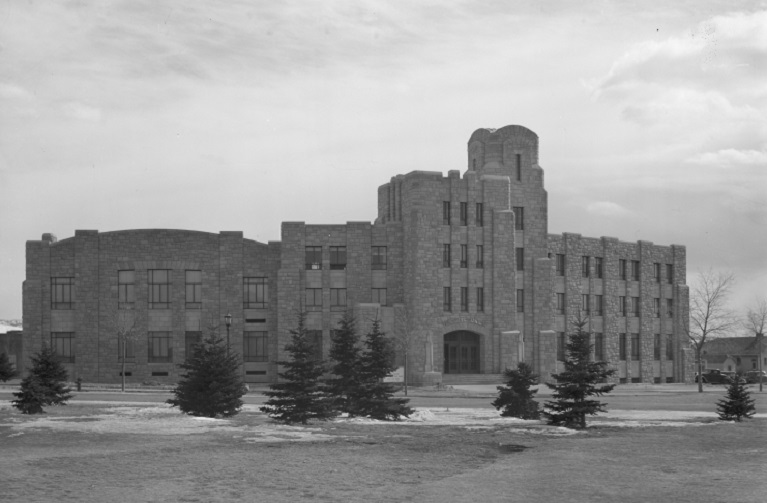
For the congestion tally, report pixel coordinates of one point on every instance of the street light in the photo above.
(228, 321)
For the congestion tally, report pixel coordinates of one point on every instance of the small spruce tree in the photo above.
(580, 380)
(376, 398)
(45, 384)
(301, 396)
(738, 403)
(7, 371)
(212, 385)
(516, 398)
(344, 383)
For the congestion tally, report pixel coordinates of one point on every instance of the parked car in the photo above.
(733, 376)
(752, 376)
(714, 376)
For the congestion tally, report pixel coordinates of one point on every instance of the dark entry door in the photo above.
(461, 353)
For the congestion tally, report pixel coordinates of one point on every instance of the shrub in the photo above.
(344, 384)
(738, 403)
(45, 384)
(516, 398)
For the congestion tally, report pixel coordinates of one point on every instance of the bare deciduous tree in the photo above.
(710, 317)
(127, 325)
(756, 319)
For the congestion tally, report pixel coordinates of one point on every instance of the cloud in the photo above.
(607, 209)
(730, 157)
(80, 111)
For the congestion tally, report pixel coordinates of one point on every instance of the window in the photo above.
(445, 212)
(519, 218)
(636, 307)
(313, 299)
(656, 272)
(520, 300)
(480, 299)
(160, 347)
(670, 308)
(560, 264)
(159, 288)
(338, 297)
(254, 346)
(599, 346)
(585, 303)
(130, 349)
(622, 346)
(520, 259)
(622, 306)
(464, 207)
(635, 270)
(464, 256)
(464, 298)
(378, 259)
(314, 338)
(669, 348)
(480, 256)
(635, 349)
(446, 302)
(656, 307)
(126, 289)
(656, 347)
(561, 343)
(379, 295)
(518, 158)
(61, 293)
(598, 267)
(194, 289)
(585, 266)
(255, 293)
(446, 255)
(480, 216)
(560, 303)
(191, 339)
(622, 268)
(313, 257)
(337, 258)
(598, 305)
(63, 343)
(670, 273)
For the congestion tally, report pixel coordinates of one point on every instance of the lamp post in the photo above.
(228, 321)
(760, 338)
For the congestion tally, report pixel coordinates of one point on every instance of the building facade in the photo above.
(460, 269)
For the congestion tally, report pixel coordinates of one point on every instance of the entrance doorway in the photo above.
(461, 353)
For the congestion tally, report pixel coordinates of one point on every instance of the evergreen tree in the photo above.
(580, 380)
(212, 385)
(45, 384)
(738, 403)
(344, 384)
(301, 397)
(516, 398)
(376, 397)
(7, 372)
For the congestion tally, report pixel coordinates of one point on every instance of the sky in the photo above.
(211, 116)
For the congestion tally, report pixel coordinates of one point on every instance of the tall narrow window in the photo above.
(379, 296)
(622, 269)
(62, 290)
(314, 299)
(445, 255)
(560, 303)
(656, 272)
(670, 273)
(599, 346)
(561, 344)
(519, 218)
(635, 270)
(160, 347)
(338, 298)
(464, 256)
(520, 258)
(191, 339)
(480, 256)
(446, 301)
(126, 289)
(254, 346)
(480, 299)
(656, 347)
(159, 288)
(622, 305)
(518, 159)
(520, 300)
(560, 265)
(378, 258)
(445, 212)
(194, 289)
(598, 305)
(598, 267)
(656, 307)
(464, 298)
(669, 348)
(313, 257)
(63, 343)
(636, 307)
(622, 346)
(636, 350)
(585, 266)
(670, 308)
(337, 258)
(464, 207)
(480, 215)
(255, 294)
(315, 341)
(585, 304)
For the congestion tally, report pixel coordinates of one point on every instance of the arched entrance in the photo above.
(461, 353)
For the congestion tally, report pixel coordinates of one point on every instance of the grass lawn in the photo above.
(117, 452)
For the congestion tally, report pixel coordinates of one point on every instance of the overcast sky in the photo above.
(237, 116)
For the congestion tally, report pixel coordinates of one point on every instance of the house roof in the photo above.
(730, 346)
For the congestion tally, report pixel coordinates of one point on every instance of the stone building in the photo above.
(461, 269)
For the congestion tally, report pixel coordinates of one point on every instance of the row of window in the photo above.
(479, 212)
(623, 268)
(598, 343)
(518, 166)
(479, 299)
(627, 306)
(338, 297)
(313, 258)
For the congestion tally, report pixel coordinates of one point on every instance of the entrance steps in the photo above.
(450, 379)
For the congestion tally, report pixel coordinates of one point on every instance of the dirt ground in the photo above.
(95, 452)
